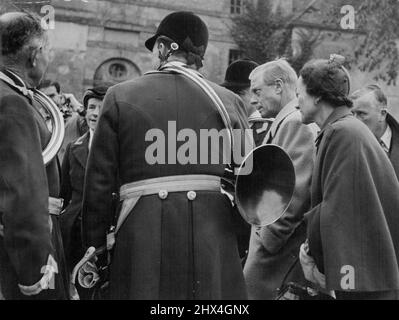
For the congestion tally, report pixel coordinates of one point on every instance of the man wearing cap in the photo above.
(174, 233)
(31, 257)
(237, 80)
(73, 173)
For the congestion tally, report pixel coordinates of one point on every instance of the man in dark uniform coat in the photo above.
(370, 105)
(31, 258)
(178, 240)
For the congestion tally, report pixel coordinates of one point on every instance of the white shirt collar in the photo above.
(255, 116)
(386, 139)
(91, 134)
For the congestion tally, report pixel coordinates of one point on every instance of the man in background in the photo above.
(72, 110)
(370, 105)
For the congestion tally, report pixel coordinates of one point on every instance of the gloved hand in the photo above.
(86, 271)
(309, 267)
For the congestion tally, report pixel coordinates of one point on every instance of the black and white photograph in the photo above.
(212, 151)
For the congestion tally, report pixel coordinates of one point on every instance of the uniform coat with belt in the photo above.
(174, 247)
(73, 174)
(25, 187)
(353, 226)
(274, 249)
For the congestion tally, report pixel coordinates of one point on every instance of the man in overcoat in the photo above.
(31, 254)
(273, 250)
(174, 236)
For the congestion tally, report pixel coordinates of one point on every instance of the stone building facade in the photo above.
(98, 41)
(103, 40)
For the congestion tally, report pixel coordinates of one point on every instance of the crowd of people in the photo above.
(98, 221)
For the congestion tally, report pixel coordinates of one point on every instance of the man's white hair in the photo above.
(276, 70)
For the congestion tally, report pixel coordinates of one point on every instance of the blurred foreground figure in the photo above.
(31, 254)
(352, 249)
(175, 237)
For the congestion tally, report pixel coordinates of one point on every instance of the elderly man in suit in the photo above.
(273, 250)
(31, 257)
(370, 105)
(237, 80)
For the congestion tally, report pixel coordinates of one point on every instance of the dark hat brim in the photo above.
(231, 84)
(150, 43)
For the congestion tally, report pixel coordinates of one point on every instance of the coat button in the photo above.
(191, 195)
(163, 194)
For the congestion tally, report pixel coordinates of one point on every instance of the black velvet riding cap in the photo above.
(237, 74)
(186, 29)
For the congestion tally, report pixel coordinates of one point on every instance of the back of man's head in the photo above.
(277, 70)
(18, 30)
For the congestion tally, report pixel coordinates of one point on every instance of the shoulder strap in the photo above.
(208, 90)
(26, 92)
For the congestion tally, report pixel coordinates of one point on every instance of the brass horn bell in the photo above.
(264, 195)
(56, 123)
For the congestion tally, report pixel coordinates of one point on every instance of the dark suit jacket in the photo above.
(75, 127)
(25, 185)
(173, 248)
(73, 174)
(394, 152)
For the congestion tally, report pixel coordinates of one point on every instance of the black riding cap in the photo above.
(237, 74)
(186, 29)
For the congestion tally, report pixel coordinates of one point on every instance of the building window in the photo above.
(234, 55)
(236, 6)
(114, 71)
(117, 71)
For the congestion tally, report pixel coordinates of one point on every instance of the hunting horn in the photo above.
(57, 126)
(264, 195)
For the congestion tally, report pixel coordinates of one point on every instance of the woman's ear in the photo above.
(317, 100)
